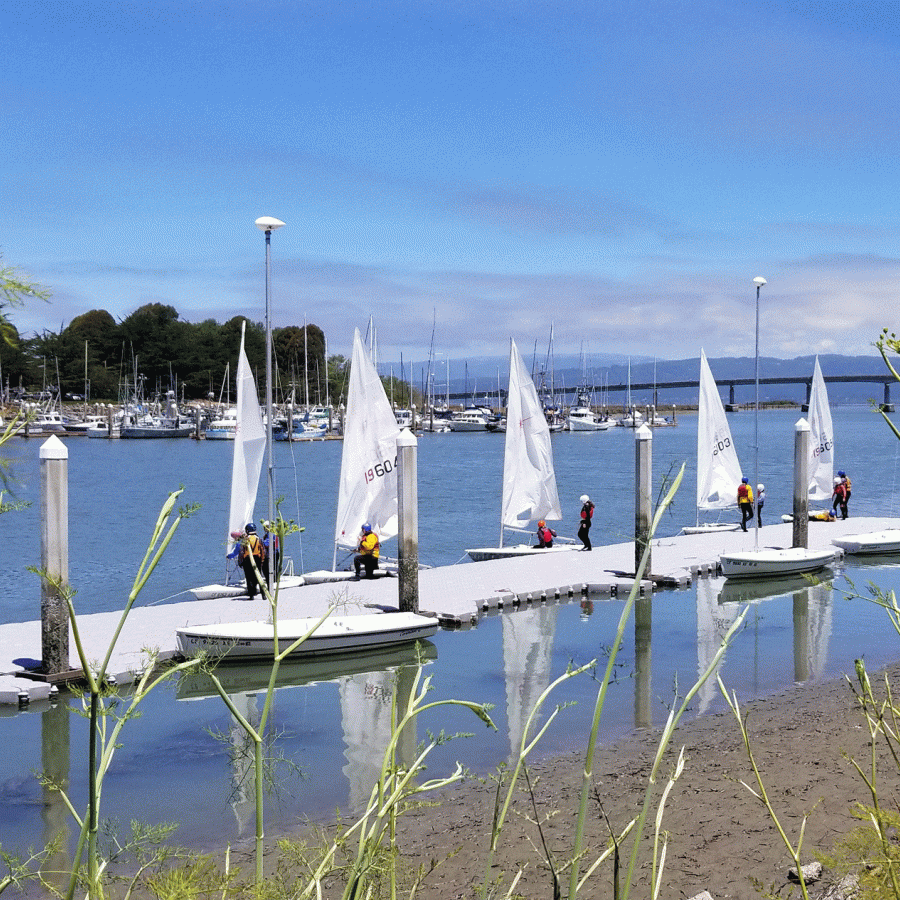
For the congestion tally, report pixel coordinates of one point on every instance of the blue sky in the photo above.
(622, 170)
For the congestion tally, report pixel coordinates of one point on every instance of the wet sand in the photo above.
(720, 836)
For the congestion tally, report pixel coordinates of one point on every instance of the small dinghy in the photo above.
(336, 634)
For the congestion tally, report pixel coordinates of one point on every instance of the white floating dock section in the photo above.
(458, 595)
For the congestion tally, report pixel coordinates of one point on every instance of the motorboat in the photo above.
(334, 634)
(766, 562)
(85, 424)
(404, 418)
(473, 419)
(582, 418)
(224, 427)
(887, 541)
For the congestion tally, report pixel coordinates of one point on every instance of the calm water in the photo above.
(334, 722)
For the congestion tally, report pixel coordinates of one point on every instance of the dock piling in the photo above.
(54, 555)
(801, 484)
(408, 521)
(643, 478)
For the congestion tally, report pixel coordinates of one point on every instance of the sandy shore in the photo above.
(720, 837)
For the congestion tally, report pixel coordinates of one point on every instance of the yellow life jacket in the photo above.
(256, 547)
(369, 545)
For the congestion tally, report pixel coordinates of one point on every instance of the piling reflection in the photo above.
(643, 670)
(56, 760)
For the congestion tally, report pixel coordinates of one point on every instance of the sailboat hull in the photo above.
(887, 541)
(254, 640)
(480, 554)
(769, 561)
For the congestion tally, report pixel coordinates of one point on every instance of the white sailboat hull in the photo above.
(480, 554)
(254, 640)
(710, 528)
(774, 561)
(887, 541)
(223, 591)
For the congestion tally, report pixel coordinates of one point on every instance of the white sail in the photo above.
(529, 481)
(718, 469)
(368, 487)
(249, 446)
(821, 443)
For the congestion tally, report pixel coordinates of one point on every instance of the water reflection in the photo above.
(55, 759)
(367, 684)
(527, 657)
(719, 605)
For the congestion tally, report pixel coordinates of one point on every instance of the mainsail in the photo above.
(529, 481)
(821, 444)
(368, 487)
(718, 469)
(249, 446)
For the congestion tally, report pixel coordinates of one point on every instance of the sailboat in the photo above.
(368, 485)
(718, 469)
(529, 480)
(821, 439)
(246, 467)
(764, 562)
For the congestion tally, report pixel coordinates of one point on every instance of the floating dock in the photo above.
(458, 595)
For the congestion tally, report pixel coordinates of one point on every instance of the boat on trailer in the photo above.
(334, 634)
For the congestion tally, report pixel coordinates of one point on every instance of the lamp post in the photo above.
(268, 225)
(759, 281)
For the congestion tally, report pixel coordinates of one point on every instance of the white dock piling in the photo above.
(801, 484)
(643, 478)
(54, 555)
(408, 521)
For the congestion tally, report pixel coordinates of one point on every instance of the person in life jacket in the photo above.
(745, 502)
(367, 552)
(584, 526)
(272, 551)
(760, 502)
(251, 558)
(839, 496)
(845, 480)
(545, 535)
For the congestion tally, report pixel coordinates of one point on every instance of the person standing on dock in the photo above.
(745, 502)
(760, 500)
(272, 551)
(584, 527)
(367, 552)
(545, 535)
(840, 495)
(251, 557)
(845, 480)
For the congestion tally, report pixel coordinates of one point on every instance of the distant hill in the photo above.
(481, 375)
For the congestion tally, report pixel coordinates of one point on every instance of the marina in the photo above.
(508, 626)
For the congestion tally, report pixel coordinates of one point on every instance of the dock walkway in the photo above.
(458, 595)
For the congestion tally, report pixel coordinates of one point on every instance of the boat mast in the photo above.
(268, 225)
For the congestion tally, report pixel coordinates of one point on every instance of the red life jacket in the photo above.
(743, 493)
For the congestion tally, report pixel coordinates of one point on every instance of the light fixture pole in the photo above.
(759, 281)
(268, 225)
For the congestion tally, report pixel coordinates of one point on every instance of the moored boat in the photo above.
(336, 634)
(774, 561)
(887, 541)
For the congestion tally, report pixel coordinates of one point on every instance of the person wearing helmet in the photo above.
(760, 500)
(251, 555)
(584, 526)
(545, 535)
(367, 551)
(840, 495)
(845, 479)
(745, 502)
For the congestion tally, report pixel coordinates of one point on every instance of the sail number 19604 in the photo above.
(379, 470)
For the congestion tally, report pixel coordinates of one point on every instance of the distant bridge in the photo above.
(659, 386)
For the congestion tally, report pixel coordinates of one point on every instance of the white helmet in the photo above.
(584, 499)
(837, 480)
(760, 487)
